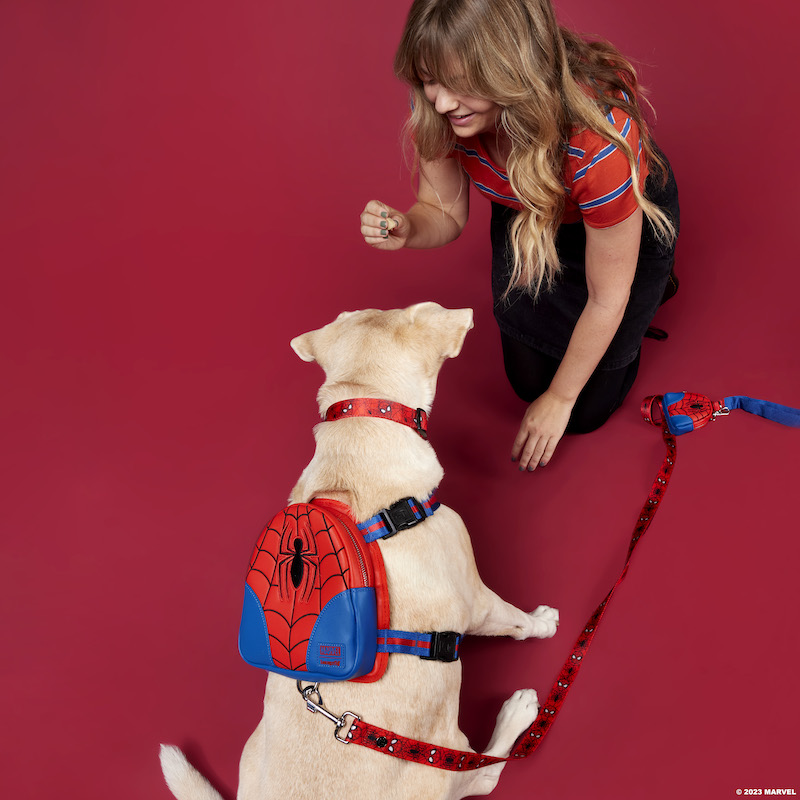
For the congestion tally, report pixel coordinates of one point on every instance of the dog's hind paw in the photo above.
(544, 621)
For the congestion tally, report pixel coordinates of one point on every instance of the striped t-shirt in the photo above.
(597, 177)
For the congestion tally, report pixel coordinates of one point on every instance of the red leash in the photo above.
(675, 413)
(394, 744)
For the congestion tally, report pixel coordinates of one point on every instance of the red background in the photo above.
(180, 185)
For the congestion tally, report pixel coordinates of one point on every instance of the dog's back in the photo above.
(369, 464)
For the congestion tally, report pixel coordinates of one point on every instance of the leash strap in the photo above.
(532, 738)
(414, 418)
(400, 516)
(686, 412)
(393, 744)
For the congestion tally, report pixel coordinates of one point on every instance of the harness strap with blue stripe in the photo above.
(400, 516)
(676, 413)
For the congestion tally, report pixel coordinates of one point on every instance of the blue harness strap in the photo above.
(436, 646)
(400, 516)
(785, 415)
(404, 514)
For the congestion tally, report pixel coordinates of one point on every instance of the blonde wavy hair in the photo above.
(514, 53)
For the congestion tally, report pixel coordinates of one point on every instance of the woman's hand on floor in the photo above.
(541, 430)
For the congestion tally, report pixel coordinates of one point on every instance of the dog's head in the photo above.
(395, 353)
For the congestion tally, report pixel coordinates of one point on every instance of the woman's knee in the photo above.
(601, 397)
(586, 418)
(528, 371)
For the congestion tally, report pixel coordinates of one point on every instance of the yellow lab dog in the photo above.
(433, 581)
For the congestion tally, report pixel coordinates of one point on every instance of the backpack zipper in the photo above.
(357, 546)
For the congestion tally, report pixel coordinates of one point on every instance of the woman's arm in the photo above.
(437, 218)
(611, 257)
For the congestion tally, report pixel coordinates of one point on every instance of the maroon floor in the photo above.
(180, 187)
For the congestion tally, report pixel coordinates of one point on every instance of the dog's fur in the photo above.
(433, 582)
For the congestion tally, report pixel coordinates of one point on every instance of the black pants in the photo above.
(530, 373)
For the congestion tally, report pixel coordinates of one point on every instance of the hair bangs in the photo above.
(435, 47)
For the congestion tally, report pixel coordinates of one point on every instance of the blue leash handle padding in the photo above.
(785, 415)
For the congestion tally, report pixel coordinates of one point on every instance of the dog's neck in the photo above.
(414, 418)
(412, 396)
(367, 463)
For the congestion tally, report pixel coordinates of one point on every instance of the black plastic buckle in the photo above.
(418, 422)
(400, 517)
(444, 646)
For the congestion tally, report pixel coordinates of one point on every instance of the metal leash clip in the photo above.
(317, 707)
(722, 411)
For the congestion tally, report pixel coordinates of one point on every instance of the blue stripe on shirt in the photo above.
(484, 161)
(607, 198)
(603, 154)
(491, 193)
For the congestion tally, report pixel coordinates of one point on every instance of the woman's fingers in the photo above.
(378, 221)
(548, 452)
(375, 219)
(542, 427)
(533, 452)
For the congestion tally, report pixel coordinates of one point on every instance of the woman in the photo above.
(584, 206)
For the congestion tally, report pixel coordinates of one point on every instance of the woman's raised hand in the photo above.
(383, 227)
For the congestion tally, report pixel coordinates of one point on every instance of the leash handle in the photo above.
(784, 415)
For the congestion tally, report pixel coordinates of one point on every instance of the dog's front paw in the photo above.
(544, 622)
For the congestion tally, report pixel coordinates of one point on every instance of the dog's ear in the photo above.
(451, 325)
(422, 310)
(303, 345)
(462, 323)
(459, 322)
(313, 345)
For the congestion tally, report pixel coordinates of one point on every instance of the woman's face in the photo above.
(468, 116)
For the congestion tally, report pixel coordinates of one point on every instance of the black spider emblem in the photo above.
(297, 564)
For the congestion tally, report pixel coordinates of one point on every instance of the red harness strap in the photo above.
(459, 760)
(415, 418)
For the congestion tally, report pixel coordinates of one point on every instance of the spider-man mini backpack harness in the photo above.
(316, 604)
(676, 413)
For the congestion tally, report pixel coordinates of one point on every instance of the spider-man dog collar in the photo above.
(408, 511)
(415, 418)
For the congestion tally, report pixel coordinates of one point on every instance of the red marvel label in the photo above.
(331, 655)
